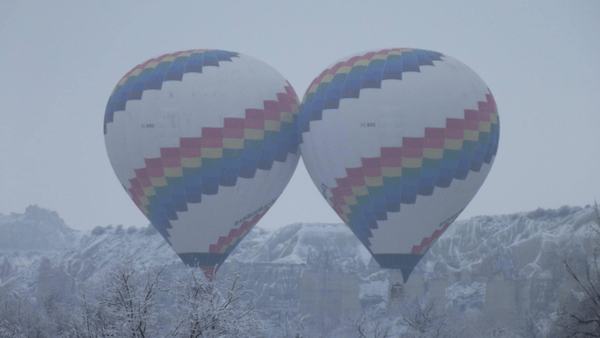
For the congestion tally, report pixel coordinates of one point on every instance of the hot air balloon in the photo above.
(398, 141)
(204, 142)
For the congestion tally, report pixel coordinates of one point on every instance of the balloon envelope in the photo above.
(398, 141)
(203, 141)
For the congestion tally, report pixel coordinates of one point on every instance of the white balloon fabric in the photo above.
(204, 142)
(398, 141)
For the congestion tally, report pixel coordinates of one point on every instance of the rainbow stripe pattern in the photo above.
(400, 174)
(221, 155)
(152, 73)
(347, 78)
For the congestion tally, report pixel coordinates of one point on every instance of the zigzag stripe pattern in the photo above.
(152, 73)
(381, 184)
(181, 175)
(228, 243)
(427, 242)
(347, 78)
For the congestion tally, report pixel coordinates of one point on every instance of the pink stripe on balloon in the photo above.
(233, 133)
(342, 182)
(272, 115)
(472, 125)
(357, 181)
(270, 105)
(371, 162)
(233, 123)
(391, 162)
(255, 124)
(455, 123)
(368, 56)
(141, 173)
(156, 172)
(190, 152)
(372, 172)
(412, 152)
(169, 152)
(455, 134)
(145, 182)
(212, 143)
(435, 133)
(153, 163)
(346, 191)
(171, 162)
(190, 142)
(389, 152)
(211, 133)
(485, 107)
(354, 172)
(235, 234)
(255, 114)
(411, 142)
(471, 114)
(435, 143)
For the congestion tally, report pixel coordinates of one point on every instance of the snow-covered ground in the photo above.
(497, 265)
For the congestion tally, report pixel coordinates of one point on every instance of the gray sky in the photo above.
(60, 60)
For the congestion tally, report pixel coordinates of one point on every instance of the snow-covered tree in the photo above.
(580, 314)
(213, 309)
(142, 304)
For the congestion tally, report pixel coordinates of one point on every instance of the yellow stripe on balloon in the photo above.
(254, 134)
(272, 125)
(145, 201)
(346, 209)
(173, 172)
(433, 153)
(345, 219)
(158, 181)
(122, 82)
(362, 63)
(494, 118)
(391, 171)
(412, 162)
(212, 152)
(168, 59)
(485, 126)
(471, 135)
(379, 57)
(453, 144)
(374, 181)
(233, 143)
(149, 191)
(359, 191)
(136, 72)
(344, 70)
(313, 88)
(194, 162)
(286, 117)
(350, 200)
(152, 64)
(327, 78)
(295, 109)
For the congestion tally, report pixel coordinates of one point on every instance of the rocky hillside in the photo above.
(499, 265)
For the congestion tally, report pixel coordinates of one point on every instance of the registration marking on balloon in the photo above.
(346, 79)
(152, 73)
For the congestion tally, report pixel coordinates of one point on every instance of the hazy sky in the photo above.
(60, 60)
